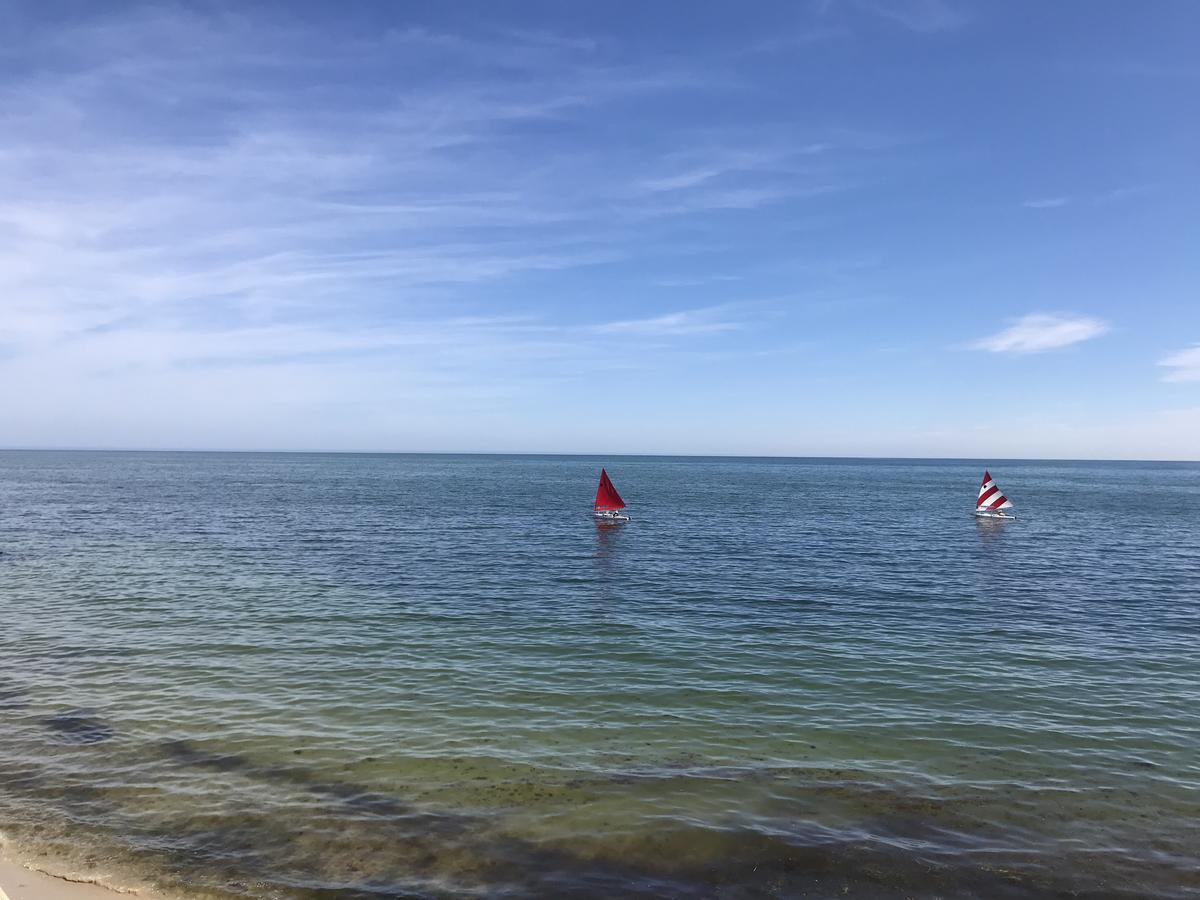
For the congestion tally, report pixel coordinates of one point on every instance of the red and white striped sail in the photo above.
(990, 496)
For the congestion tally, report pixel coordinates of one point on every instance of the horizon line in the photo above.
(660, 455)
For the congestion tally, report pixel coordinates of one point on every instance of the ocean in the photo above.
(365, 676)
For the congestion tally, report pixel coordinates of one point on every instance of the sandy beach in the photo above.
(20, 883)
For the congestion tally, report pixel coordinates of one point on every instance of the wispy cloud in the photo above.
(1182, 366)
(801, 39)
(708, 321)
(254, 185)
(687, 179)
(738, 178)
(1046, 203)
(1039, 332)
(1102, 198)
(238, 188)
(1125, 192)
(685, 281)
(921, 16)
(1126, 69)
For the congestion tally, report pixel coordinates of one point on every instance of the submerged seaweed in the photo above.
(79, 727)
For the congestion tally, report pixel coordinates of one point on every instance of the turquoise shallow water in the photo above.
(302, 676)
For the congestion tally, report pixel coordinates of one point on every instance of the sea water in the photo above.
(302, 676)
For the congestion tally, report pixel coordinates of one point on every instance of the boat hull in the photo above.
(990, 514)
(613, 517)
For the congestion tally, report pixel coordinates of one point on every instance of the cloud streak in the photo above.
(1039, 332)
(1182, 366)
(1047, 203)
(921, 16)
(687, 322)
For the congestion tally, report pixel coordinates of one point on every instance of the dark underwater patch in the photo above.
(363, 799)
(12, 698)
(79, 727)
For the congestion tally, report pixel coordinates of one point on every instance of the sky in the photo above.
(840, 227)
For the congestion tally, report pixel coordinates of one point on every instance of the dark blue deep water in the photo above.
(303, 676)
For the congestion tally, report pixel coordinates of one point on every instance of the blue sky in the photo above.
(858, 227)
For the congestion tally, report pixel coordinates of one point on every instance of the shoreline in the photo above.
(27, 882)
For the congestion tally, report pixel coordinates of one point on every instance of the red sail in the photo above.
(606, 495)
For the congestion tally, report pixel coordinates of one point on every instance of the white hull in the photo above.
(610, 517)
(992, 514)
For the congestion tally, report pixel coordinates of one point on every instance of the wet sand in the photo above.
(20, 883)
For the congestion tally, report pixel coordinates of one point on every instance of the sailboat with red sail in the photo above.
(608, 502)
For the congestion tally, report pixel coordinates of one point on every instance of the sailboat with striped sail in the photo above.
(991, 502)
(608, 504)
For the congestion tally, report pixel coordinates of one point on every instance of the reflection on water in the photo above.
(990, 529)
(607, 535)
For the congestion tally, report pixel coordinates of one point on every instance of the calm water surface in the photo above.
(303, 676)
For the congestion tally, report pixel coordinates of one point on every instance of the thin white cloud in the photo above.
(1046, 203)
(1126, 192)
(1114, 195)
(685, 323)
(694, 280)
(1182, 366)
(1038, 332)
(699, 169)
(801, 39)
(921, 16)
(682, 180)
